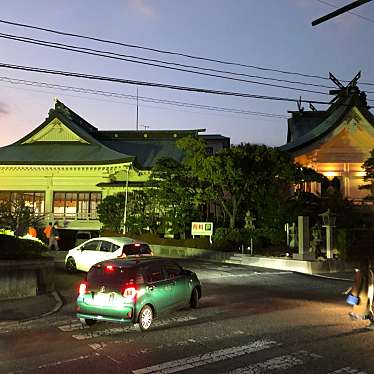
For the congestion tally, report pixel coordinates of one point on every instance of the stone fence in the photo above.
(24, 278)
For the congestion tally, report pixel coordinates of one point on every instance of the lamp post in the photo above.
(329, 219)
(126, 193)
(249, 225)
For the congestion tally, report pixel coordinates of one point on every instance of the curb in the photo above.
(58, 306)
(325, 277)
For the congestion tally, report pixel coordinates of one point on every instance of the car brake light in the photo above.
(130, 293)
(137, 245)
(109, 268)
(82, 289)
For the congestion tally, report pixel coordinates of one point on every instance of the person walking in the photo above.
(53, 239)
(51, 233)
(362, 293)
(47, 231)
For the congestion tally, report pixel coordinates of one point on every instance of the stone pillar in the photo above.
(329, 242)
(303, 239)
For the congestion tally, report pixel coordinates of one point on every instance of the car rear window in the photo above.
(136, 249)
(112, 277)
(83, 235)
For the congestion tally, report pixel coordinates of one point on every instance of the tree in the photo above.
(174, 194)
(111, 212)
(16, 216)
(240, 177)
(368, 165)
(142, 211)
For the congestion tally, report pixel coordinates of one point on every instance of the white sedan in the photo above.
(100, 249)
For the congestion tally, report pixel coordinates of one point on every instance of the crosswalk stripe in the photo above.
(121, 329)
(278, 363)
(347, 370)
(73, 327)
(206, 358)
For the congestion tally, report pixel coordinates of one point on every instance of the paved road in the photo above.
(250, 321)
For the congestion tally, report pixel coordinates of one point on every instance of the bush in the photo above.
(12, 248)
(201, 242)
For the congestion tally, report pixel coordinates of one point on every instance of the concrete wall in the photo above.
(26, 278)
(208, 254)
(287, 264)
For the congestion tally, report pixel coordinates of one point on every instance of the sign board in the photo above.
(202, 228)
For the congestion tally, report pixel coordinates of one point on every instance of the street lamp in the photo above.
(126, 196)
(329, 220)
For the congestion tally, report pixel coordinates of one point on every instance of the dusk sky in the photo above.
(271, 34)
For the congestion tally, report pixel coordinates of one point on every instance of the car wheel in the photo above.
(70, 265)
(87, 321)
(145, 318)
(194, 300)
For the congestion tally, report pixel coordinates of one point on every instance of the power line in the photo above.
(51, 44)
(154, 84)
(103, 54)
(133, 97)
(219, 61)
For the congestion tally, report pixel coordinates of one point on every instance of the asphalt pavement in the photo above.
(29, 308)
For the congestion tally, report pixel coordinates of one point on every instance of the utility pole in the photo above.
(339, 11)
(137, 109)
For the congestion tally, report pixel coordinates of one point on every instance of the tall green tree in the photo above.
(142, 211)
(111, 212)
(368, 166)
(238, 178)
(174, 194)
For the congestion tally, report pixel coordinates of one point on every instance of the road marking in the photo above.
(97, 346)
(278, 363)
(51, 364)
(206, 358)
(97, 333)
(347, 370)
(101, 346)
(118, 330)
(73, 327)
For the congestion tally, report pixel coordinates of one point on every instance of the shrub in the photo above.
(12, 247)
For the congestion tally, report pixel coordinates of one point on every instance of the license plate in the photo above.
(101, 299)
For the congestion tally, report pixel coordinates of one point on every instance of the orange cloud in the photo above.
(143, 7)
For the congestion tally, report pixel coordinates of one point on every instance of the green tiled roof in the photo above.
(60, 154)
(143, 148)
(146, 151)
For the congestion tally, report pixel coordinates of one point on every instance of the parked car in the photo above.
(99, 249)
(81, 237)
(136, 290)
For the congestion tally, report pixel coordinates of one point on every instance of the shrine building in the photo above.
(66, 166)
(334, 142)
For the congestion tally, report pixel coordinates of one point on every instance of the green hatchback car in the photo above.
(136, 291)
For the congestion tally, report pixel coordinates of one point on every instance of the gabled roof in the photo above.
(66, 138)
(306, 128)
(82, 148)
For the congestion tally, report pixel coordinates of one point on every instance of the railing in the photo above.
(82, 216)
